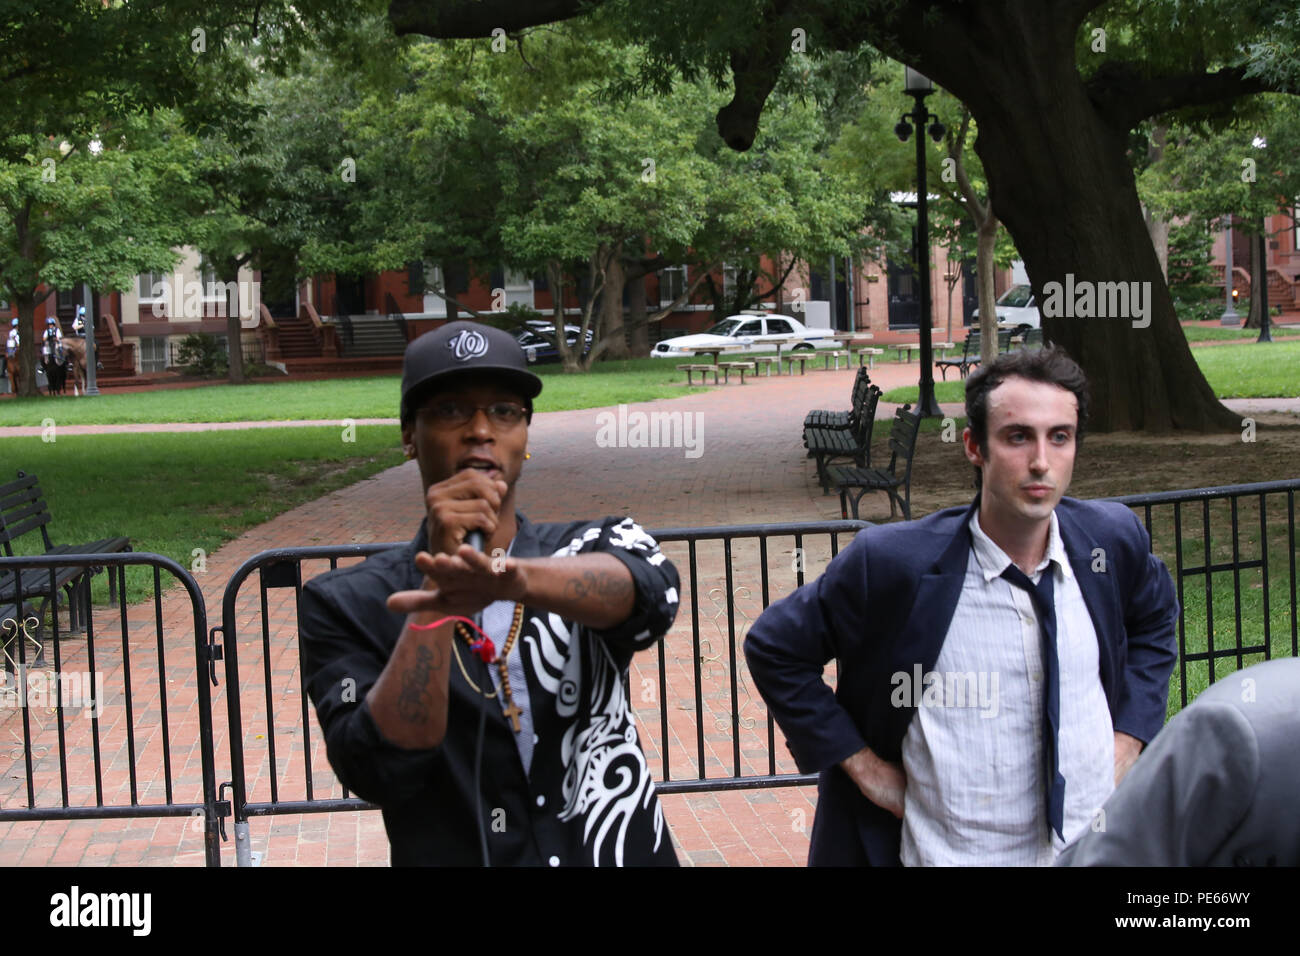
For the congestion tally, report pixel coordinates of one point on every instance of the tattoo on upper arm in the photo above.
(413, 700)
(602, 584)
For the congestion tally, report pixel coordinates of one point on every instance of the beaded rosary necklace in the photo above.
(484, 649)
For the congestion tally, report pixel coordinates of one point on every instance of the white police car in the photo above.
(753, 331)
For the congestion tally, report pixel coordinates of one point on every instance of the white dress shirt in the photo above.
(976, 784)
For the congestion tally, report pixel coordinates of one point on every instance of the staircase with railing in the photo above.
(116, 357)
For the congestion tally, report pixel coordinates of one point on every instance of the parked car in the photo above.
(754, 331)
(1016, 306)
(537, 348)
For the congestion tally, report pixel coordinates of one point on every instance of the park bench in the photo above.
(970, 356)
(902, 445)
(869, 353)
(23, 510)
(704, 369)
(827, 418)
(834, 444)
(727, 367)
(766, 362)
(802, 357)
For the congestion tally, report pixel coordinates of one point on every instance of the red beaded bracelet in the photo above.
(483, 648)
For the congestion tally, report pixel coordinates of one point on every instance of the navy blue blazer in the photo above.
(884, 604)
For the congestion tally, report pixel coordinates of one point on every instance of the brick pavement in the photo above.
(751, 468)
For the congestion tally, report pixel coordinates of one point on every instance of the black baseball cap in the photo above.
(463, 353)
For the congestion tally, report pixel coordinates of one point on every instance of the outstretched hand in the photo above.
(462, 583)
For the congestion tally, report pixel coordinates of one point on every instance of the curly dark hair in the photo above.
(1051, 365)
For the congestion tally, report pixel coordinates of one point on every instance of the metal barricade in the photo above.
(1185, 534)
(70, 769)
(704, 727)
(736, 568)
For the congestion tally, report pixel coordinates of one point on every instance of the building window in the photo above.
(153, 286)
(435, 304)
(153, 353)
(672, 283)
(728, 284)
(519, 288)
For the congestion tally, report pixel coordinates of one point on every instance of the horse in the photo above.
(54, 361)
(76, 349)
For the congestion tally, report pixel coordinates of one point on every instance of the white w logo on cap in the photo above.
(468, 344)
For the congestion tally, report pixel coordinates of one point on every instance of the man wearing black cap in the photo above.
(509, 741)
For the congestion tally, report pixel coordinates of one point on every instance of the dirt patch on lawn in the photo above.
(1122, 463)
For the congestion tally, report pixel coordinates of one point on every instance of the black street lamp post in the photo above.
(1262, 292)
(920, 87)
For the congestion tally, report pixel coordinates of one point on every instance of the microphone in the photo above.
(475, 540)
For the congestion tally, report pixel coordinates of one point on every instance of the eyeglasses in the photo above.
(452, 414)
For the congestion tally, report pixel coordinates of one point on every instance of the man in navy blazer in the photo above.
(889, 604)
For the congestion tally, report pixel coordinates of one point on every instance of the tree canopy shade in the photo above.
(1054, 86)
(514, 155)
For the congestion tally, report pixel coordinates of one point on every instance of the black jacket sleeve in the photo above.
(654, 576)
(344, 653)
(789, 646)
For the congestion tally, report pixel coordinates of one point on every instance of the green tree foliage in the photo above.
(1055, 87)
(518, 153)
(98, 208)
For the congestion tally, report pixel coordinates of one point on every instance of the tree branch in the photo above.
(478, 18)
(689, 291)
(956, 150)
(1125, 98)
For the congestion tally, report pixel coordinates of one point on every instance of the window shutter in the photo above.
(415, 278)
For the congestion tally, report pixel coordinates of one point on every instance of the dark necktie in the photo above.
(1044, 604)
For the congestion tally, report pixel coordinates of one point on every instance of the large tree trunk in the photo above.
(1070, 202)
(1258, 277)
(234, 330)
(27, 345)
(638, 330)
(611, 308)
(570, 359)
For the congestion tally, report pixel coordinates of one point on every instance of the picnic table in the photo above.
(714, 350)
(780, 344)
(909, 347)
(860, 341)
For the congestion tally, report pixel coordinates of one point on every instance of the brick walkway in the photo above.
(750, 468)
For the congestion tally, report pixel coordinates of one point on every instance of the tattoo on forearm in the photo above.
(610, 587)
(413, 701)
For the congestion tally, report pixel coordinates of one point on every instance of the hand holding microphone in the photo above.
(459, 577)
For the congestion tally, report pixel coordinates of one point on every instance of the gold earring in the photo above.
(527, 455)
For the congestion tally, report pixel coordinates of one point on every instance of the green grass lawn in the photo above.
(1213, 333)
(173, 493)
(609, 383)
(1230, 593)
(1233, 371)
